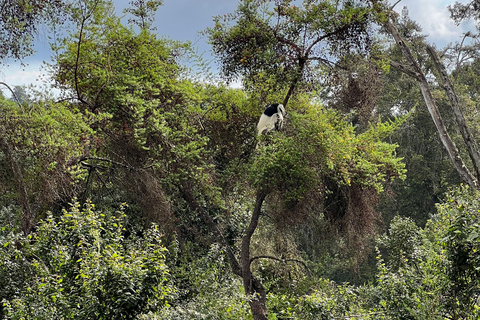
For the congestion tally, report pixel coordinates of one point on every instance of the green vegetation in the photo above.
(81, 265)
(144, 192)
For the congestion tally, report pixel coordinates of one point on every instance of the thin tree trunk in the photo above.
(293, 85)
(462, 125)
(417, 73)
(253, 287)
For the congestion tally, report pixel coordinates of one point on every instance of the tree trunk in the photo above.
(253, 287)
(462, 125)
(293, 85)
(417, 73)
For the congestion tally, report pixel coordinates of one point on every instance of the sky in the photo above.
(184, 19)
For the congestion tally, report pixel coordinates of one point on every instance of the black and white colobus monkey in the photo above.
(271, 119)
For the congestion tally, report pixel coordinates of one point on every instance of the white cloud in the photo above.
(16, 75)
(32, 74)
(434, 18)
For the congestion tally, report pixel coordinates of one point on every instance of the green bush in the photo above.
(433, 272)
(411, 281)
(81, 266)
(207, 289)
(460, 213)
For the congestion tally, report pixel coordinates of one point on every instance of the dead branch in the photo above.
(280, 260)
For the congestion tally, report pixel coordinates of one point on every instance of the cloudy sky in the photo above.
(183, 19)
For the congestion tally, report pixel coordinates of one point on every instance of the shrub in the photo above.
(81, 266)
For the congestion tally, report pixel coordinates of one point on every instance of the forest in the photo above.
(141, 189)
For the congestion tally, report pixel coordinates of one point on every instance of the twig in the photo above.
(393, 6)
(109, 161)
(360, 315)
(460, 49)
(280, 260)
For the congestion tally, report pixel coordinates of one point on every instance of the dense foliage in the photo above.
(82, 265)
(144, 192)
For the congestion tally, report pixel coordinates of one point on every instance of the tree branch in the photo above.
(292, 44)
(85, 17)
(394, 5)
(127, 166)
(465, 132)
(280, 260)
(405, 70)
(14, 95)
(325, 36)
(447, 142)
(326, 62)
(460, 49)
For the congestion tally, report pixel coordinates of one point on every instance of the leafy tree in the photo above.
(414, 70)
(39, 141)
(145, 114)
(284, 44)
(20, 21)
(464, 11)
(411, 281)
(276, 45)
(460, 211)
(431, 272)
(81, 265)
(315, 168)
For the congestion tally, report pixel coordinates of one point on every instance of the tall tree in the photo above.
(414, 69)
(38, 147)
(283, 43)
(430, 173)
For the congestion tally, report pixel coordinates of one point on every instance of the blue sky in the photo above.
(183, 19)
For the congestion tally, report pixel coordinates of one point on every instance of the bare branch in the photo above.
(66, 99)
(325, 36)
(280, 260)
(457, 111)
(324, 61)
(111, 162)
(460, 49)
(86, 16)
(405, 70)
(394, 5)
(447, 141)
(14, 95)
